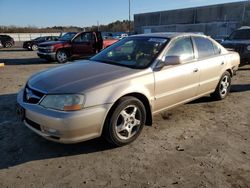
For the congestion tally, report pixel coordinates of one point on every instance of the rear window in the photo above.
(240, 34)
(204, 46)
(217, 50)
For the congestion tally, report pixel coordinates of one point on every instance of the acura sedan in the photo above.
(118, 91)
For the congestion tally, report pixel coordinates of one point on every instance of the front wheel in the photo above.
(126, 121)
(34, 47)
(223, 87)
(61, 56)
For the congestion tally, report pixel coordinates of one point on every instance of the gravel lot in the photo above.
(201, 144)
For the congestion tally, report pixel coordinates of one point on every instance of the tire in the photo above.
(7, 45)
(61, 56)
(34, 47)
(223, 87)
(125, 122)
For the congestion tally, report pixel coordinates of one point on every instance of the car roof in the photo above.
(243, 28)
(169, 34)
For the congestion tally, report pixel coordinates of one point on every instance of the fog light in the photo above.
(51, 131)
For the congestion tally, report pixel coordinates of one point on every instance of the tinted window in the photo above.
(204, 46)
(67, 36)
(240, 34)
(40, 39)
(182, 47)
(85, 37)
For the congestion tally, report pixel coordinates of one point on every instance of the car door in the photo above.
(210, 64)
(175, 84)
(83, 44)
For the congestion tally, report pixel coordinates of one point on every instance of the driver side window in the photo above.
(183, 48)
(85, 37)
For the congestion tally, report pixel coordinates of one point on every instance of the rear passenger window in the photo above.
(204, 46)
(217, 50)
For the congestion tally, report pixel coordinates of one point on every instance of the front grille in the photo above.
(31, 95)
(42, 50)
(33, 124)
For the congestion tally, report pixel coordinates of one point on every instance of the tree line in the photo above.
(117, 26)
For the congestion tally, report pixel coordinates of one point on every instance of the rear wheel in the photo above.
(126, 121)
(61, 56)
(223, 87)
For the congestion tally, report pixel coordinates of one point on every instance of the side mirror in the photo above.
(169, 60)
(172, 60)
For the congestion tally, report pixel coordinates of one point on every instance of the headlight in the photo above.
(248, 47)
(70, 102)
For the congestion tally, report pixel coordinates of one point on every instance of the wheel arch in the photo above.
(142, 98)
(230, 72)
(67, 50)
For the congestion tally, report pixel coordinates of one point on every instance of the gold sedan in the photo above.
(117, 91)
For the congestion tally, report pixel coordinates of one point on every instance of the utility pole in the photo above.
(98, 25)
(129, 6)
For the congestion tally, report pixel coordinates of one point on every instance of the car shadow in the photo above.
(13, 49)
(24, 61)
(243, 69)
(244, 66)
(20, 145)
(240, 88)
(234, 88)
(205, 99)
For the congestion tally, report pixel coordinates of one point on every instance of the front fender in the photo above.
(110, 93)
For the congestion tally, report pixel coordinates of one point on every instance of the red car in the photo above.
(74, 45)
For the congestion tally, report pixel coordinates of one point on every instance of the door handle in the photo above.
(196, 70)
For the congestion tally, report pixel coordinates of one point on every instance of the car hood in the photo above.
(77, 77)
(51, 43)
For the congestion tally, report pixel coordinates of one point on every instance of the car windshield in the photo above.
(242, 34)
(39, 38)
(133, 52)
(67, 36)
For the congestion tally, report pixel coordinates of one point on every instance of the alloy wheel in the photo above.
(224, 85)
(128, 122)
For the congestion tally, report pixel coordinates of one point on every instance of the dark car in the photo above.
(7, 41)
(33, 44)
(239, 41)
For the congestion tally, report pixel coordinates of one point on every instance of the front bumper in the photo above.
(64, 127)
(51, 55)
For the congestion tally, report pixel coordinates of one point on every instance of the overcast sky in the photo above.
(43, 13)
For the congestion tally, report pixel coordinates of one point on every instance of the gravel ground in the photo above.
(204, 143)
